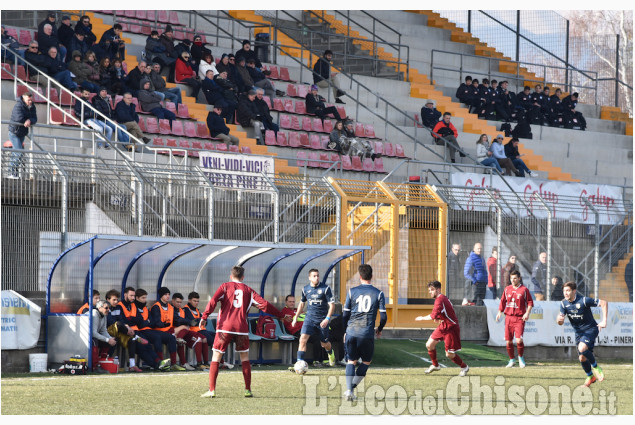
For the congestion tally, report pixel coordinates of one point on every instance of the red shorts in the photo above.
(223, 339)
(514, 325)
(451, 338)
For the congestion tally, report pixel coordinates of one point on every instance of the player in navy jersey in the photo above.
(578, 309)
(358, 318)
(320, 303)
(448, 330)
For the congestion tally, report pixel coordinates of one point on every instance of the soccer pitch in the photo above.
(396, 384)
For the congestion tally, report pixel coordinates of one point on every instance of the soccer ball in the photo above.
(301, 367)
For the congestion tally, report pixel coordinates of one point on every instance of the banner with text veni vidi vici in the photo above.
(235, 171)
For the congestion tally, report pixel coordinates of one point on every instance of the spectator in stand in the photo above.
(86, 28)
(263, 110)
(572, 118)
(227, 63)
(207, 64)
(91, 59)
(315, 105)
(150, 101)
(186, 333)
(211, 90)
(117, 48)
(507, 269)
(84, 73)
(508, 101)
(10, 42)
(199, 51)
(463, 92)
(511, 152)
(105, 73)
(248, 116)
(173, 94)
(260, 81)
(538, 105)
(65, 32)
(498, 152)
(247, 53)
(24, 115)
(556, 109)
(167, 40)
(229, 93)
(539, 277)
(101, 103)
(77, 44)
(484, 154)
(184, 74)
(337, 138)
(193, 313)
(446, 130)
(491, 275)
(354, 146)
(119, 77)
(486, 105)
(530, 110)
(495, 99)
(50, 19)
(47, 40)
(455, 274)
(33, 55)
(126, 114)
(155, 50)
(84, 112)
(217, 127)
(474, 97)
(57, 69)
(185, 46)
(323, 77)
(135, 76)
(243, 74)
(476, 273)
(101, 337)
(430, 115)
(556, 285)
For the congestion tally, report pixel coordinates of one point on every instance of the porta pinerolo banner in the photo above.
(21, 321)
(235, 171)
(542, 329)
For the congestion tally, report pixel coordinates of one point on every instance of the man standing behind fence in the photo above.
(23, 117)
(476, 273)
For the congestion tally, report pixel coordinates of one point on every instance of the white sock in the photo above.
(132, 362)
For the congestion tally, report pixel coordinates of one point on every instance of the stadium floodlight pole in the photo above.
(596, 256)
(499, 228)
(549, 235)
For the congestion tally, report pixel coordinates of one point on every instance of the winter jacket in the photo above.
(314, 103)
(20, 114)
(169, 46)
(211, 91)
(148, 100)
(430, 116)
(126, 113)
(481, 151)
(203, 67)
(134, 78)
(88, 112)
(103, 106)
(491, 272)
(183, 70)
(53, 66)
(199, 50)
(157, 81)
(76, 45)
(498, 151)
(245, 78)
(511, 152)
(443, 129)
(82, 71)
(89, 36)
(246, 112)
(216, 124)
(538, 277)
(474, 269)
(46, 41)
(251, 54)
(65, 34)
(100, 328)
(321, 70)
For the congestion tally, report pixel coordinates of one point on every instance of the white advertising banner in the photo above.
(607, 200)
(21, 321)
(542, 329)
(235, 171)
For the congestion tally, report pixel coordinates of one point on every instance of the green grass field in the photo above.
(395, 384)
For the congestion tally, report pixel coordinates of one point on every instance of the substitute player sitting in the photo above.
(516, 303)
(235, 300)
(448, 330)
(578, 309)
(358, 318)
(320, 303)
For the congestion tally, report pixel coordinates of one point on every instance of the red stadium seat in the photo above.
(277, 104)
(267, 101)
(12, 32)
(234, 148)
(190, 129)
(184, 144)
(71, 119)
(303, 90)
(359, 129)
(324, 157)
(281, 139)
(399, 151)
(317, 125)
(291, 90)
(300, 156)
(304, 140)
(295, 123)
(118, 99)
(164, 127)
(288, 105)
(341, 111)
(174, 18)
(209, 146)
(138, 108)
(368, 165)
(6, 72)
(328, 126)
(245, 149)
(270, 138)
(306, 123)
(284, 74)
(177, 128)
(179, 35)
(157, 141)
(56, 117)
(142, 124)
(170, 106)
(135, 29)
(221, 147)
(294, 139)
(202, 132)
(197, 144)
(369, 131)
(314, 140)
(163, 16)
(146, 29)
(285, 121)
(152, 125)
(67, 99)
(388, 151)
(300, 107)
(23, 75)
(25, 37)
(171, 143)
(274, 73)
(151, 16)
(313, 160)
(335, 158)
(141, 14)
(379, 165)
(346, 162)
(324, 141)
(129, 13)
(379, 148)
(53, 96)
(357, 163)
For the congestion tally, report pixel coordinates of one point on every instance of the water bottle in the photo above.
(116, 361)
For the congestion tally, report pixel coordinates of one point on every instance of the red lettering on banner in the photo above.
(596, 199)
(549, 197)
(471, 203)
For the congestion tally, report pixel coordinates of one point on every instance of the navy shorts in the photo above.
(312, 326)
(357, 347)
(588, 337)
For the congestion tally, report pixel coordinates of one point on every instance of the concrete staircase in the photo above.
(613, 287)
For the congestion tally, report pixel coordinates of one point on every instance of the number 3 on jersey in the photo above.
(238, 298)
(363, 304)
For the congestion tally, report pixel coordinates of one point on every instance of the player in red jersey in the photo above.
(516, 303)
(235, 300)
(448, 330)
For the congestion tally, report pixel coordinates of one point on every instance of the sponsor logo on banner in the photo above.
(237, 171)
(607, 200)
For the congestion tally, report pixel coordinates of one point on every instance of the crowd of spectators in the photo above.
(498, 156)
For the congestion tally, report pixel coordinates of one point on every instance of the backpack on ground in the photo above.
(522, 130)
(506, 128)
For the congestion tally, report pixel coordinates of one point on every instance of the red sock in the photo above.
(160, 355)
(433, 357)
(213, 374)
(181, 350)
(510, 350)
(173, 357)
(181, 334)
(521, 348)
(456, 359)
(198, 351)
(247, 374)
